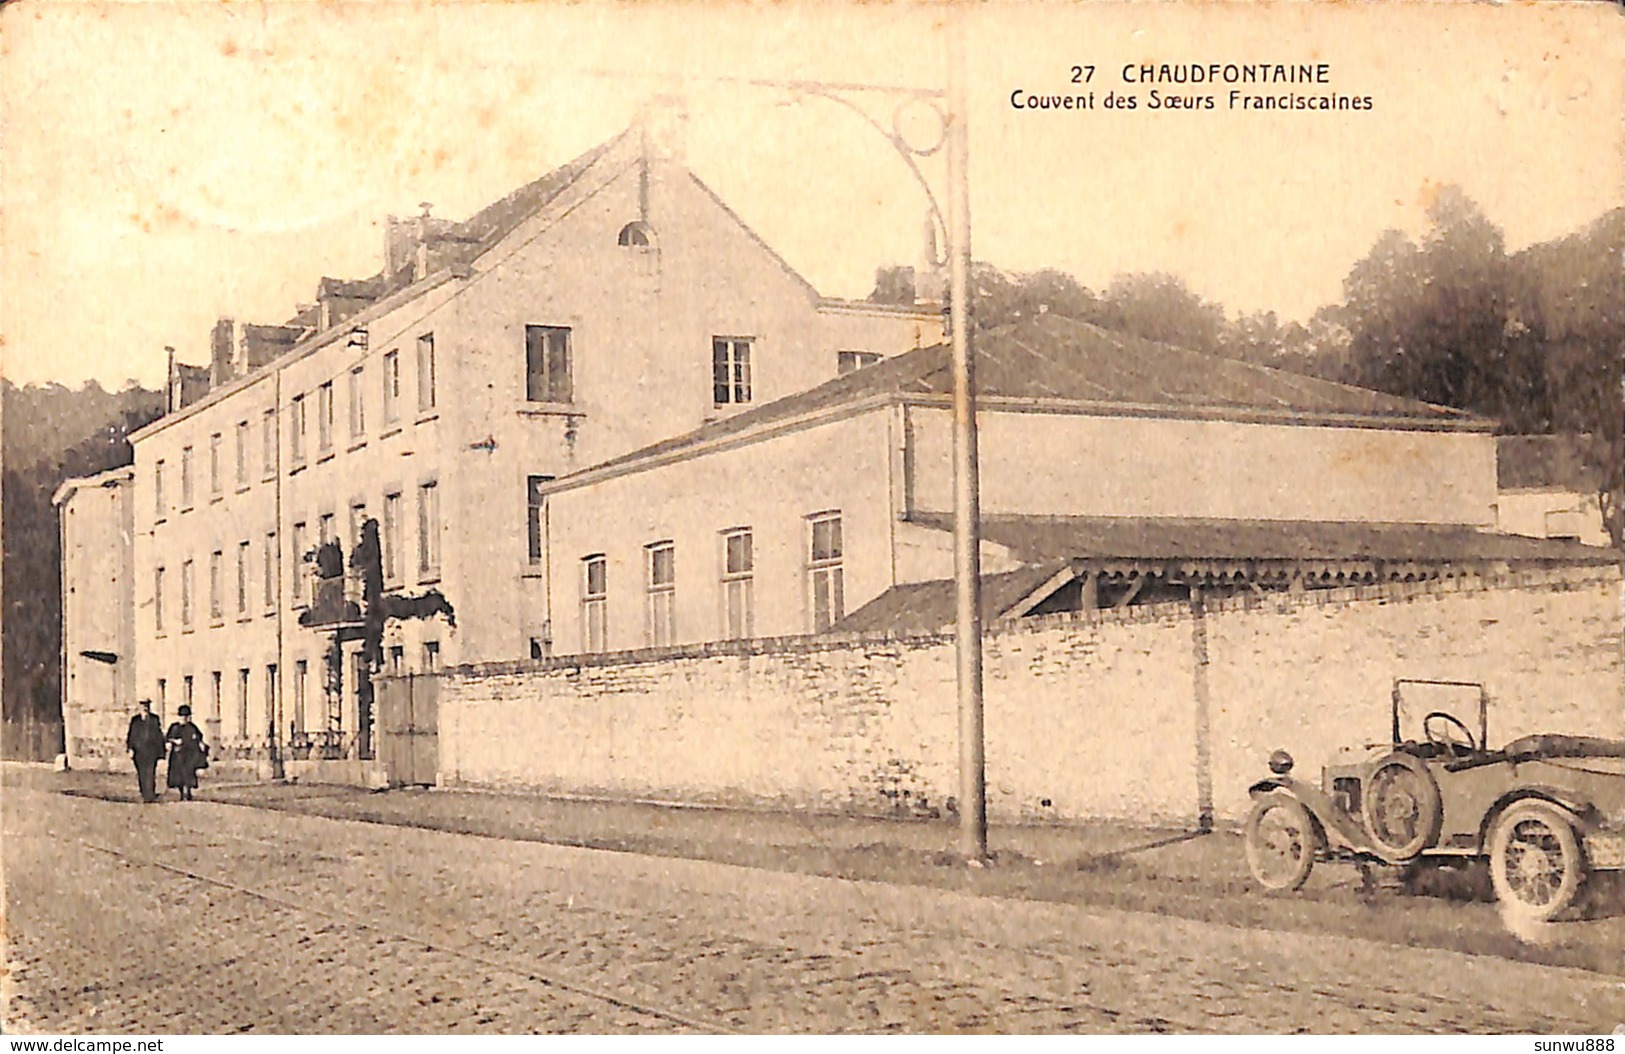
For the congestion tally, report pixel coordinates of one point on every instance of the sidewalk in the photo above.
(1179, 873)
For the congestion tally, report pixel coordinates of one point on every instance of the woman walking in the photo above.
(187, 753)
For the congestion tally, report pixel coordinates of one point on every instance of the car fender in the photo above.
(1327, 816)
(1579, 813)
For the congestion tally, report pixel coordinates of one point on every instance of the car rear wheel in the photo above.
(1535, 860)
(1281, 842)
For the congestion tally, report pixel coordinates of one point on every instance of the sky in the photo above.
(167, 164)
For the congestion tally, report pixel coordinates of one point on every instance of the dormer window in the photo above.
(637, 235)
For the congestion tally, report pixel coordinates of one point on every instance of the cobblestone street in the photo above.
(294, 923)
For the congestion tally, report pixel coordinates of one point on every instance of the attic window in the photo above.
(637, 235)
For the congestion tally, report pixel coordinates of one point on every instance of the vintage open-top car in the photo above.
(1544, 810)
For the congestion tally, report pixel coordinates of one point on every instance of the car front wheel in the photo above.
(1535, 861)
(1281, 842)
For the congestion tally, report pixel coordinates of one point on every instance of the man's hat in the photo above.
(185, 711)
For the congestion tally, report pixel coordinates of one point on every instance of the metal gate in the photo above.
(409, 728)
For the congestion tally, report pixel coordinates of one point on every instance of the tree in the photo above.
(1435, 321)
(1159, 306)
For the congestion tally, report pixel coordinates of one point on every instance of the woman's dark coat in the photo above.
(185, 753)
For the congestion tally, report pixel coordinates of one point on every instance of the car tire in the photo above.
(1281, 840)
(1536, 864)
(1401, 781)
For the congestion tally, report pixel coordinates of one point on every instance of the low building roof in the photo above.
(929, 607)
(111, 478)
(1050, 360)
(1037, 539)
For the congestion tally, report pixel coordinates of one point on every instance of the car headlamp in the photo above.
(1280, 762)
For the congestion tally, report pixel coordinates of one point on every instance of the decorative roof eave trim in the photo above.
(304, 349)
(111, 477)
(1104, 408)
(767, 430)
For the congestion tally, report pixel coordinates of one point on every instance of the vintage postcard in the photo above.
(813, 518)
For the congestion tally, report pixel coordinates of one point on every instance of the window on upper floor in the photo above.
(431, 656)
(268, 444)
(186, 478)
(847, 361)
(636, 235)
(428, 530)
(270, 565)
(215, 483)
(324, 417)
(158, 599)
(242, 579)
(159, 510)
(392, 386)
(536, 516)
(661, 558)
(358, 403)
(186, 594)
(391, 538)
(296, 429)
(242, 453)
(730, 370)
(301, 539)
(594, 603)
(824, 574)
(358, 519)
(738, 573)
(426, 368)
(216, 561)
(547, 364)
(325, 529)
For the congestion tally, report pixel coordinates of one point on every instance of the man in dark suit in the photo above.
(146, 745)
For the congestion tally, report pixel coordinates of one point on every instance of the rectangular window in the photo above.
(324, 417)
(824, 572)
(730, 370)
(547, 364)
(242, 579)
(594, 604)
(217, 560)
(325, 530)
(397, 659)
(738, 572)
(186, 595)
(215, 484)
(242, 704)
(242, 453)
(662, 626)
(847, 361)
(535, 515)
(426, 395)
(358, 403)
(296, 429)
(391, 538)
(158, 599)
(186, 691)
(186, 478)
(358, 517)
(163, 696)
(215, 700)
(270, 564)
(158, 509)
(431, 656)
(301, 538)
(301, 670)
(428, 528)
(268, 444)
(392, 386)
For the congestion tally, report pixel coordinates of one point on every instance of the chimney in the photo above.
(172, 395)
(663, 128)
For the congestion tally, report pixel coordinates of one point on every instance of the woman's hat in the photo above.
(185, 711)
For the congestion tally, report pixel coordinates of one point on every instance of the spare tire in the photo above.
(1402, 808)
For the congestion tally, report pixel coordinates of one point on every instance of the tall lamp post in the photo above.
(967, 518)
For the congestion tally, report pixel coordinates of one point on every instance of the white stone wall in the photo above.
(1097, 717)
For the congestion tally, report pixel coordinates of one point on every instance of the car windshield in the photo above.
(1417, 699)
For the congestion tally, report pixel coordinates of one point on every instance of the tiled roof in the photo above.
(490, 224)
(1038, 539)
(928, 607)
(1544, 461)
(1063, 360)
